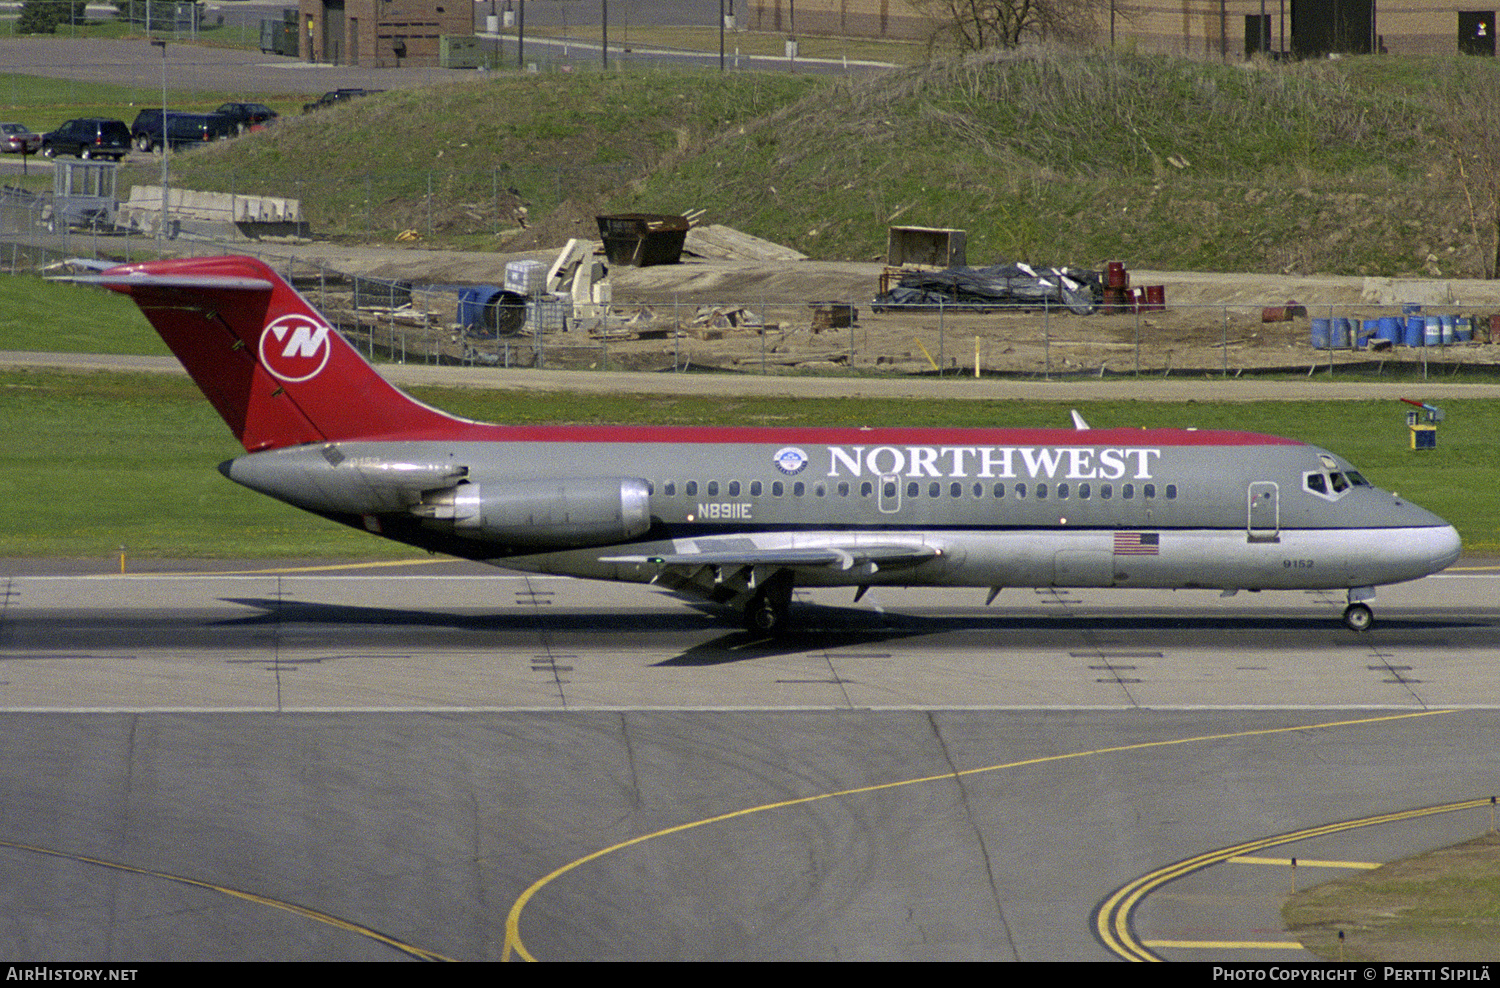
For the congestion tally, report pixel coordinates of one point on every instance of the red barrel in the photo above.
(1117, 276)
(1156, 298)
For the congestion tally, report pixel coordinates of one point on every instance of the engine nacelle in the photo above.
(545, 514)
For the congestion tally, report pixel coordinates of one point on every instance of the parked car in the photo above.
(191, 129)
(18, 139)
(88, 137)
(248, 116)
(338, 96)
(145, 130)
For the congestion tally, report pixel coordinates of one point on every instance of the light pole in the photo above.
(161, 229)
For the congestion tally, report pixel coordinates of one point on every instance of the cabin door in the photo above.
(1264, 519)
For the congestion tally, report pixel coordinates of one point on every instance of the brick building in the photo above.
(1213, 28)
(380, 33)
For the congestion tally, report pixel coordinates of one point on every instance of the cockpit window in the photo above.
(1332, 485)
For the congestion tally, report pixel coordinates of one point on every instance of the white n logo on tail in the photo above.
(295, 347)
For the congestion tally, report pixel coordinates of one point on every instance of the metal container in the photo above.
(1320, 333)
(642, 240)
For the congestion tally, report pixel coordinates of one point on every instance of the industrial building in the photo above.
(1213, 28)
(380, 33)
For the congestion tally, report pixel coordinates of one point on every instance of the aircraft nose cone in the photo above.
(1446, 548)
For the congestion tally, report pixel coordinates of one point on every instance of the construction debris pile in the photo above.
(1000, 285)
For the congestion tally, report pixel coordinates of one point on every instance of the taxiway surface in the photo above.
(445, 760)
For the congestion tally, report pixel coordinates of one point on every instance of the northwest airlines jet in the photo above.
(742, 515)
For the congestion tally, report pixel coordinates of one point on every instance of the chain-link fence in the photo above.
(781, 334)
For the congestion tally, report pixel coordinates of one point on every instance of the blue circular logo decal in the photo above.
(790, 460)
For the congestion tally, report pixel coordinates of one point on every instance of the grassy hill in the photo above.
(1334, 167)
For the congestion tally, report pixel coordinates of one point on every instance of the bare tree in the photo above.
(1471, 131)
(974, 25)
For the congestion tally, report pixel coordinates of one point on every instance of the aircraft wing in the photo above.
(841, 557)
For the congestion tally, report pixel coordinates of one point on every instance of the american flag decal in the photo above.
(1137, 543)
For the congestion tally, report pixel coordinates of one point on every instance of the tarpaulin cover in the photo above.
(998, 285)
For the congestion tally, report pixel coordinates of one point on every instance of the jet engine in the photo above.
(543, 514)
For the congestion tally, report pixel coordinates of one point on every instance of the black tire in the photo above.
(766, 613)
(1358, 617)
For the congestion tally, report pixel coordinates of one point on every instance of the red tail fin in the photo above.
(275, 370)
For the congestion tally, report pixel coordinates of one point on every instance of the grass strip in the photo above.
(93, 461)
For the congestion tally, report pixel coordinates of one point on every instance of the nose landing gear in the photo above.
(1358, 616)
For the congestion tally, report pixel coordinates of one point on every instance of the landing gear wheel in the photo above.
(764, 616)
(766, 611)
(1358, 617)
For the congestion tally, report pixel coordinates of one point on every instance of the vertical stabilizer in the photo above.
(277, 372)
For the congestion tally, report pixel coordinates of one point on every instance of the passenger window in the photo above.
(956, 490)
(818, 489)
(1020, 490)
(979, 490)
(669, 489)
(734, 488)
(690, 488)
(1083, 491)
(843, 488)
(1171, 492)
(1062, 491)
(890, 488)
(999, 490)
(912, 489)
(1106, 491)
(866, 489)
(1127, 492)
(934, 489)
(755, 488)
(777, 488)
(799, 489)
(713, 488)
(1041, 491)
(1148, 491)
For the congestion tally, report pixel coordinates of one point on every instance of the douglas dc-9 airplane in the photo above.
(740, 515)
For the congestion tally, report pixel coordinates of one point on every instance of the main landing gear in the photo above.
(765, 613)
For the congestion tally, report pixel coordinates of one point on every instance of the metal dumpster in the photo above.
(640, 240)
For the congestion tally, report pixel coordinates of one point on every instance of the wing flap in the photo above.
(842, 557)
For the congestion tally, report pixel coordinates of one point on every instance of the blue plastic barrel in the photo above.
(1339, 335)
(1366, 332)
(1414, 328)
(1432, 331)
(1389, 329)
(1446, 325)
(1320, 334)
(1463, 331)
